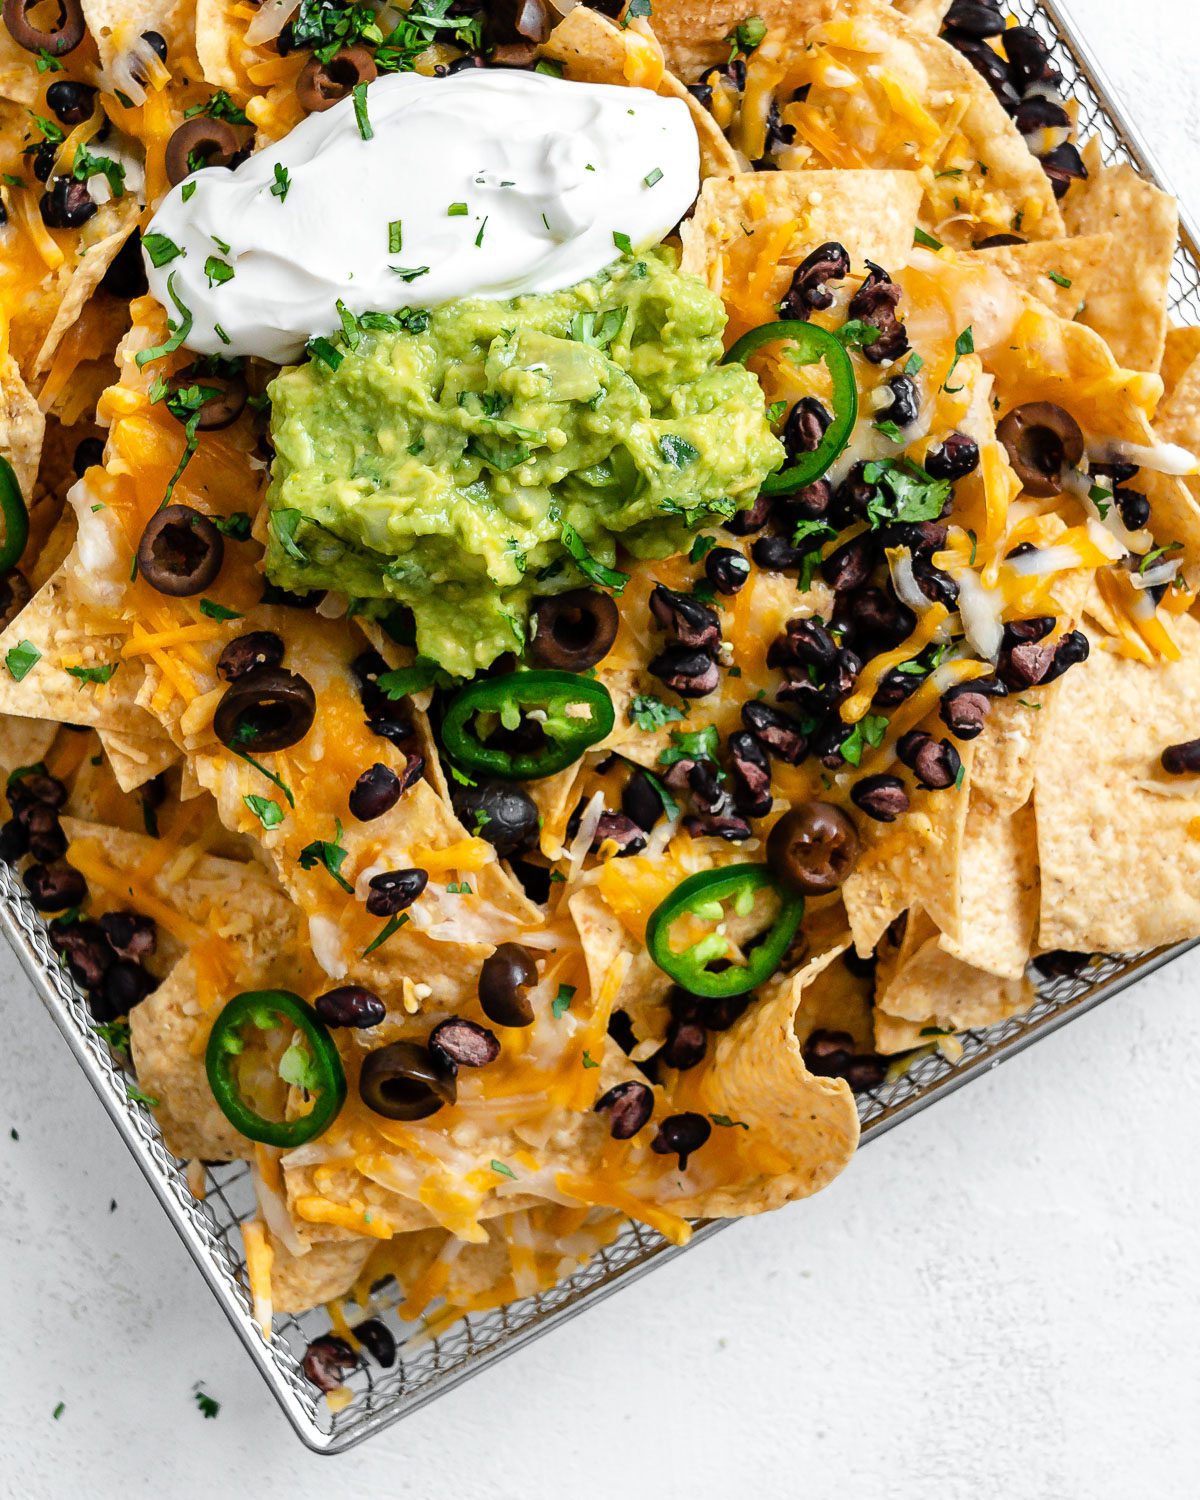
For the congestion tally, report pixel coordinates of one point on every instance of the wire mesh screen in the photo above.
(211, 1228)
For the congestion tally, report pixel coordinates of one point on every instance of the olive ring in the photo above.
(212, 142)
(180, 552)
(63, 38)
(267, 709)
(321, 85)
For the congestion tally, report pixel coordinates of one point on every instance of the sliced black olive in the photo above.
(813, 848)
(628, 1107)
(246, 653)
(64, 36)
(269, 709)
(1041, 439)
(405, 1081)
(502, 979)
(321, 85)
(575, 630)
(212, 143)
(71, 102)
(463, 1044)
(393, 890)
(350, 1005)
(224, 406)
(180, 552)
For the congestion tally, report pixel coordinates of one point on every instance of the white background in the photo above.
(1000, 1300)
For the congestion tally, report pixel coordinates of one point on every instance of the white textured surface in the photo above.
(998, 1301)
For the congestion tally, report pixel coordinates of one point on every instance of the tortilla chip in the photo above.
(57, 626)
(1119, 859)
(794, 1132)
(1181, 348)
(22, 426)
(934, 990)
(220, 39)
(998, 883)
(926, 15)
(75, 283)
(593, 50)
(323, 1272)
(1178, 417)
(914, 862)
(873, 211)
(1127, 303)
(837, 999)
(1059, 273)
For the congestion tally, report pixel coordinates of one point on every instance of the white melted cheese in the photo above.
(491, 184)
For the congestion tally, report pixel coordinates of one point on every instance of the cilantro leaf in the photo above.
(650, 713)
(562, 1001)
(330, 854)
(904, 492)
(265, 809)
(93, 674)
(695, 744)
(21, 660)
(597, 572)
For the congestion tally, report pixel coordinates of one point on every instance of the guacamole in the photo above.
(464, 460)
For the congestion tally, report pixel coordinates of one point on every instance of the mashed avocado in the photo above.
(464, 460)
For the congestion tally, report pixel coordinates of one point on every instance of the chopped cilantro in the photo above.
(598, 329)
(479, 236)
(869, 730)
(237, 525)
(395, 237)
(963, 344)
(330, 854)
(856, 334)
(701, 547)
(265, 809)
(650, 713)
(695, 744)
(562, 1001)
(160, 249)
(597, 572)
(21, 659)
(93, 674)
(890, 430)
(1058, 278)
(653, 176)
(283, 181)
(676, 450)
(498, 1166)
(588, 1060)
(361, 118)
(392, 925)
(179, 331)
(320, 348)
(218, 271)
(728, 1123)
(921, 238)
(207, 1405)
(189, 188)
(457, 211)
(219, 107)
(409, 273)
(623, 243)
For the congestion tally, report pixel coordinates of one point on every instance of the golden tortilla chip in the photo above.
(1178, 418)
(1127, 303)
(1118, 847)
(1181, 348)
(936, 992)
(1059, 273)
(75, 283)
(323, 1272)
(593, 50)
(22, 426)
(783, 1132)
(998, 884)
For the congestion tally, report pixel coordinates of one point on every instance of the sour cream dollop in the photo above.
(491, 183)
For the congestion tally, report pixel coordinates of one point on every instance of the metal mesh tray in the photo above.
(210, 1229)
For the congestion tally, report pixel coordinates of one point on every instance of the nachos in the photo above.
(573, 588)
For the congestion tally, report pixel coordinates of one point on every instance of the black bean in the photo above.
(811, 503)
(245, 653)
(753, 518)
(395, 730)
(806, 425)
(1134, 508)
(988, 64)
(685, 1045)
(621, 830)
(82, 944)
(130, 934)
(775, 554)
(377, 1339)
(641, 802)
(47, 841)
(963, 711)
(14, 841)
(628, 1106)
(975, 18)
(66, 205)
(849, 566)
(680, 1135)
(808, 291)
(1071, 649)
(880, 797)
(125, 985)
(375, 792)
(685, 620)
(505, 976)
(393, 890)
(502, 814)
(1025, 664)
(366, 669)
(934, 583)
(875, 304)
(778, 733)
(905, 405)
(1038, 113)
(691, 674)
(36, 788)
(125, 279)
(1063, 166)
(1062, 963)
(464, 1043)
(876, 618)
(720, 1012)
(350, 1005)
(327, 1361)
(936, 763)
(727, 826)
(955, 457)
(726, 570)
(751, 772)
(71, 102)
(55, 887)
(1028, 58)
